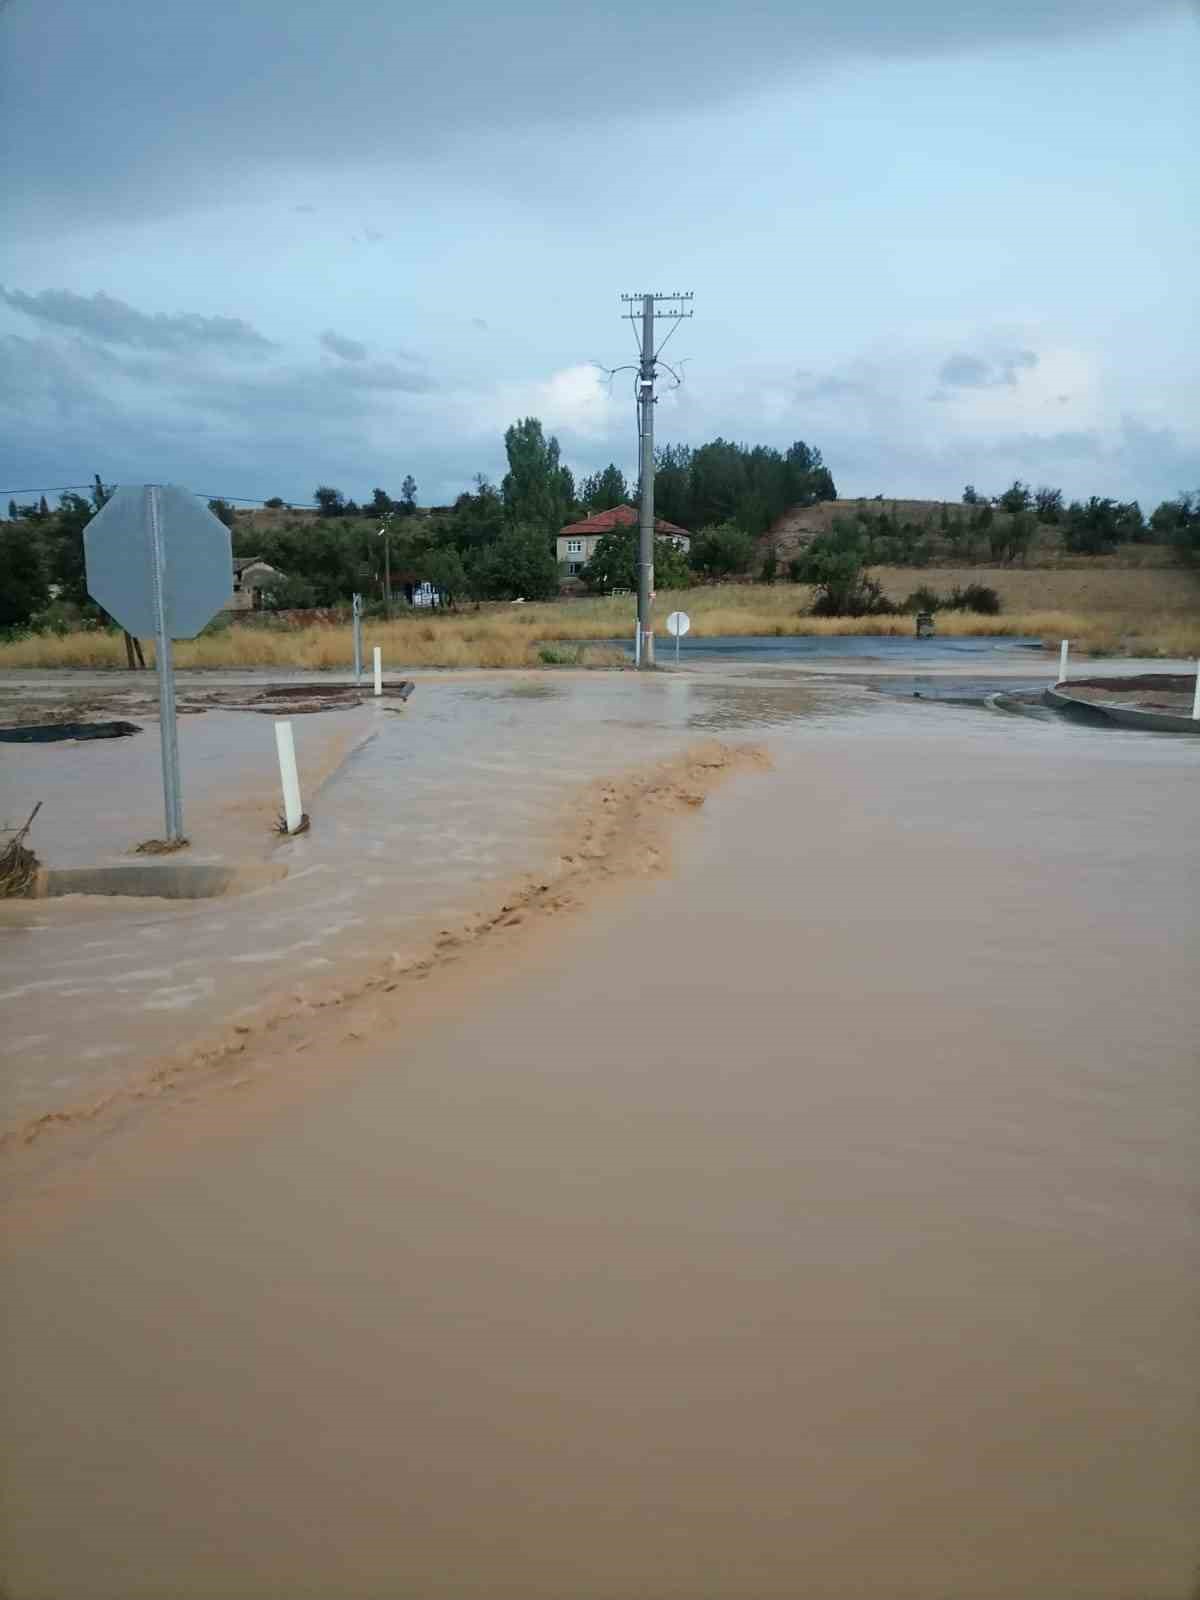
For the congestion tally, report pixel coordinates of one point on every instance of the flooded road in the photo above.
(814, 1220)
(426, 809)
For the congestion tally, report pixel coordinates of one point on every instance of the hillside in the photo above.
(924, 532)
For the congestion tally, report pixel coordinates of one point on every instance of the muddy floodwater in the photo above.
(801, 1205)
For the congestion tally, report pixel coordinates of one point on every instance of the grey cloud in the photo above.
(383, 375)
(111, 321)
(339, 345)
(229, 86)
(973, 372)
(70, 405)
(965, 372)
(478, 322)
(69, 408)
(829, 386)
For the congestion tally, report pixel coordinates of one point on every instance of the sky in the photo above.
(258, 245)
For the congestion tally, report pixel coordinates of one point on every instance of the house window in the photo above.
(574, 547)
(574, 568)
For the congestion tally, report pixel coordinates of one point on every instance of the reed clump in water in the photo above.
(18, 864)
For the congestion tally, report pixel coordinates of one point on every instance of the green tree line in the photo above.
(498, 543)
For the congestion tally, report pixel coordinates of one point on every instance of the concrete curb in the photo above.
(1120, 716)
(172, 880)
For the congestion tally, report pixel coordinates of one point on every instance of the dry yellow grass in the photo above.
(1135, 612)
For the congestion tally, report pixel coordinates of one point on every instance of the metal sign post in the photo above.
(160, 563)
(168, 728)
(678, 624)
(356, 623)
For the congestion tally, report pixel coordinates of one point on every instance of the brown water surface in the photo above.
(817, 1220)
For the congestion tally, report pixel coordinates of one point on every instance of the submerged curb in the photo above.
(1120, 716)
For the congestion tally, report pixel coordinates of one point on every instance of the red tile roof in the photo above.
(624, 516)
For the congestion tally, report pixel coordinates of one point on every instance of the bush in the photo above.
(865, 599)
(62, 617)
(834, 564)
(722, 550)
(977, 597)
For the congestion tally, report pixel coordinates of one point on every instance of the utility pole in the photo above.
(386, 535)
(675, 307)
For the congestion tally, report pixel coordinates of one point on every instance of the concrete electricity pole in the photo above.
(386, 535)
(674, 309)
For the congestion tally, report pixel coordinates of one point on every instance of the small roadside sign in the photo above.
(678, 624)
(160, 563)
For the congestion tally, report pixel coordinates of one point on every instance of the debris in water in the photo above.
(282, 827)
(161, 847)
(18, 866)
(47, 732)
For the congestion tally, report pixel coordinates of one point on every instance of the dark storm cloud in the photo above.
(182, 100)
(111, 321)
(115, 390)
(348, 349)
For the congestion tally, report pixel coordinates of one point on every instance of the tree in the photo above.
(444, 569)
(1048, 503)
(1178, 521)
(23, 588)
(969, 496)
(1016, 497)
(614, 563)
(770, 566)
(381, 503)
(223, 510)
(64, 547)
(476, 520)
(1011, 539)
(600, 491)
(673, 484)
(721, 550)
(330, 502)
(517, 565)
(274, 503)
(408, 495)
(537, 488)
(809, 480)
(1092, 529)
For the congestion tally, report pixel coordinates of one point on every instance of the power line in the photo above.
(241, 499)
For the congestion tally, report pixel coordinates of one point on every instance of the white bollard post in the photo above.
(284, 743)
(378, 670)
(1062, 661)
(637, 644)
(1196, 696)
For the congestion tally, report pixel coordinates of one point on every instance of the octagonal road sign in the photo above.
(191, 558)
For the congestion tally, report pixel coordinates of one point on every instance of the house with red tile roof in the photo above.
(578, 540)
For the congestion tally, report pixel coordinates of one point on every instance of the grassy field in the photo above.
(1107, 610)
